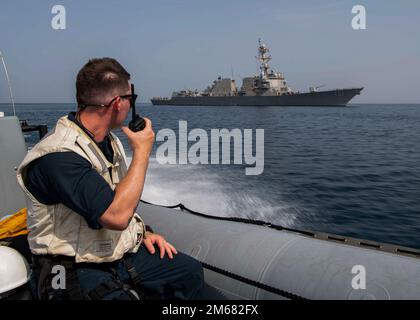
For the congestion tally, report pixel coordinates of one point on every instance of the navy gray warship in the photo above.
(268, 88)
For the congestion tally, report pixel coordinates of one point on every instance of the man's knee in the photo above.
(196, 276)
(197, 271)
(181, 277)
(193, 267)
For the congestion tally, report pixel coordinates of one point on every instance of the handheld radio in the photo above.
(137, 123)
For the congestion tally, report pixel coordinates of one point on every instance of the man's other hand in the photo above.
(152, 238)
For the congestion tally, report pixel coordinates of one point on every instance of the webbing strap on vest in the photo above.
(72, 290)
(134, 276)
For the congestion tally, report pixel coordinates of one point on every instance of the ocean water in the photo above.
(351, 171)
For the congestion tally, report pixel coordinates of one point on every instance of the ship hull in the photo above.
(339, 97)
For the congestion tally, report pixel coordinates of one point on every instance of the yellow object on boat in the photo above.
(15, 225)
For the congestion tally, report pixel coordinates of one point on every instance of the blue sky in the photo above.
(178, 44)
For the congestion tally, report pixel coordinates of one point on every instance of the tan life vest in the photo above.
(58, 230)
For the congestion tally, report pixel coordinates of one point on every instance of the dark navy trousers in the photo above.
(178, 278)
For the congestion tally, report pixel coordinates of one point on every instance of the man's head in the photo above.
(102, 87)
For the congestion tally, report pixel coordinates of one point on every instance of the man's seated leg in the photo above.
(178, 278)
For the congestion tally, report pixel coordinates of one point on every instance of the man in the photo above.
(82, 200)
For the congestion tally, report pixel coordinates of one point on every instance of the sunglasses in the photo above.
(132, 97)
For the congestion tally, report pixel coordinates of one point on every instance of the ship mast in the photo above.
(8, 82)
(263, 57)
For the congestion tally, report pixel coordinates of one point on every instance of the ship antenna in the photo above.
(8, 82)
(263, 57)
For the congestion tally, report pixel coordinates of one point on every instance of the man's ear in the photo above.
(116, 105)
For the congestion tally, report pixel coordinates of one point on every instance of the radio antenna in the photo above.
(8, 82)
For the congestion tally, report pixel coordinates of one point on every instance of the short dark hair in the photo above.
(98, 77)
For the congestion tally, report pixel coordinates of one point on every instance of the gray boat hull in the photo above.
(315, 267)
(339, 97)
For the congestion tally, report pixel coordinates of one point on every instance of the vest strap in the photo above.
(134, 276)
